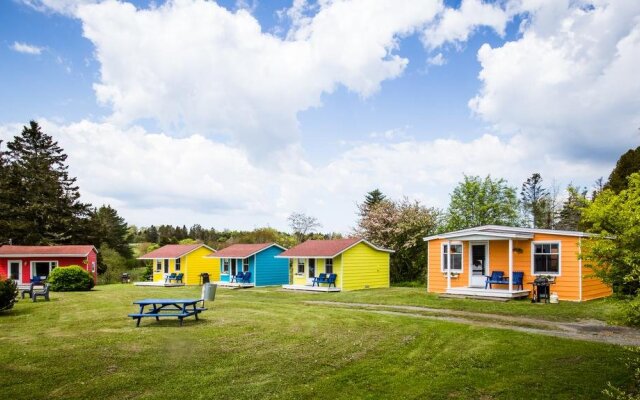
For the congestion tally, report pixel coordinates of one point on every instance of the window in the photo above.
(225, 266)
(14, 270)
(42, 268)
(328, 265)
(546, 258)
(166, 265)
(177, 264)
(300, 266)
(456, 257)
(93, 266)
(245, 265)
(158, 265)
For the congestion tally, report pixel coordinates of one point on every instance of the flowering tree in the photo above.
(400, 226)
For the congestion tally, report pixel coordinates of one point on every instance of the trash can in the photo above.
(209, 291)
(204, 278)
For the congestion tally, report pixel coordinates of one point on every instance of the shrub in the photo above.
(8, 294)
(632, 391)
(70, 279)
(631, 312)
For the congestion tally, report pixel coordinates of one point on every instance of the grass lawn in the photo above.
(265, 343)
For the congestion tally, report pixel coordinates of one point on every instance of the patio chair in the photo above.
(27, 291)
(331, 280)
(246, 278)
(517, 279)
(496, 278)
(179, 277)
(36, 279)
(170, 278)
(319, 279)
(44, 292)
(237, 277)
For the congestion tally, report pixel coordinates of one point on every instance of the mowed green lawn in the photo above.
(266, 343)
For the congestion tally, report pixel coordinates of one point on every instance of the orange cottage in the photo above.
(478, 252)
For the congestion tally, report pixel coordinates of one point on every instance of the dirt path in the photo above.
(590, 330)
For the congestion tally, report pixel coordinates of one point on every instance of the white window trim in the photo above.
(158, 263)
(226, 266)
(245, 261)
(304, 267)
(175, 264)
(325, 265)
(19, 269)
(533, 244)
(453, 271)
(32, 270)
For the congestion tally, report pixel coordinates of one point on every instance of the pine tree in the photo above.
(627, 164)
(45, 205)
(111, 229)
(371, 199)
(6, 196)
(571, 212)
(535, 201)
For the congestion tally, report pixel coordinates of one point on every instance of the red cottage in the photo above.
(20, 263)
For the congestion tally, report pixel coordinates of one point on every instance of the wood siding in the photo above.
(364, 268)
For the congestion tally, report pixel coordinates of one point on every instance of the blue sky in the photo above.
(184, 112)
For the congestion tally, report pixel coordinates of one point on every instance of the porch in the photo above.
(474, 292)
(158, 284)
(234, 285)
(309, 288)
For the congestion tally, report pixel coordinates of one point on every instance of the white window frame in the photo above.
(158, 265)
(177, 264)
(9, 262)
(442, 257)
(226, 265)
(328, 261)
(304, 267)
(245, 264)
(533, 254)
(52, 264)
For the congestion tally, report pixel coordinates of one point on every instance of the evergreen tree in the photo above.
(627, 164)
(151, 234)
(6, 196)
(44, 207)
(535, 201)
(571, 212)
(371, 199)
(110, 229)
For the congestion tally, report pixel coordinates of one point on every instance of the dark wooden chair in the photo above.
(44, 292)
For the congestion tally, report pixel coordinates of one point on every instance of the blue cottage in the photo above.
(253, 265)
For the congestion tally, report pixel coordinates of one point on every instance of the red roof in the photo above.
(325, 248)
(173, 251)
(35, 251)
(242, 250)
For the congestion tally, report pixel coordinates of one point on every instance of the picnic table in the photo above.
(176, 308)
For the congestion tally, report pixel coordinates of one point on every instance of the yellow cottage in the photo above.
(186, 259)
(334, 265)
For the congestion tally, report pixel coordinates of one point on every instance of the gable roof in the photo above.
(242, 250)
(173, 251)
(39, 251)
(502, 232)
(326, 248)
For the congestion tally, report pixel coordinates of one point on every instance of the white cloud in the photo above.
(437, 60)
(26, 48)
(571, 80)
(456, 25)
(196, 66)
(67, 7)
(152, 178)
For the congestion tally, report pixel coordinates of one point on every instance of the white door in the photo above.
(478, 264)
(15, 270)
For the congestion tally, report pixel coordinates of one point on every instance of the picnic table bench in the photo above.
(176, 308)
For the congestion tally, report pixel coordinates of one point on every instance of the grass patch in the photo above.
(265, 343)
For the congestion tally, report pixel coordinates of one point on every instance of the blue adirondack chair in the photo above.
(319, 279)
(179, 277)
(517, 279)
(331, 280)
(170, 278)
(496, 278)
(238, 277)
(247, 277)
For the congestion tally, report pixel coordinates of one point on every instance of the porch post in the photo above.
(449, 264)
(510, 265)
